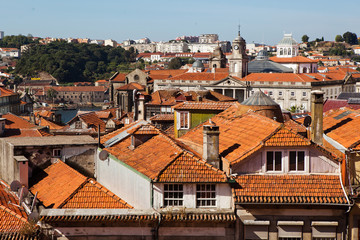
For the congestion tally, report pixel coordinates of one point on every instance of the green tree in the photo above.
(339, 38)
(350, 38)
(51, 94)
(305, 38)
(175, 63)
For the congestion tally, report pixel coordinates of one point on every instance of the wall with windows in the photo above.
(287, 160)
(192, 195)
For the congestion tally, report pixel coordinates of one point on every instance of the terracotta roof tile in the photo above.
(187, 168)
(64, 187)
(52, 126)
(93, 195)
(6, 92)
(132, 86)
(285, 138)
(289, 189)
(297, 59)
(12, 217)
(118, 77)
(219, 106)
(79, 89)
(203, 76)
(161, 157)
(162, 117)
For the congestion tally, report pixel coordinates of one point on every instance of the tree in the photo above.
(350, 38)
(305, 38)
(51, 94)
(175, 63)
(339, 38)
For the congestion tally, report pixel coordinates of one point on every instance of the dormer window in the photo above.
(296, 160)
(273, 161)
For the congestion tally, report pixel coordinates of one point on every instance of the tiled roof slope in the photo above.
(93, 195)
(12, 218)
(297, 59)
(289, 189)
(343, 126)
(187, 168)
(285, 138)
(239, 135)
(52, 126)
(162, 158)
(64, 187)
(16, 122)
(132, 86)
(203, 76)
(203, 105)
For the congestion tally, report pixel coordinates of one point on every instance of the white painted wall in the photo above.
(131, 186)
(223, 195)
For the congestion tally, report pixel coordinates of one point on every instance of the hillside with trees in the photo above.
(16, 41)
(73, 62)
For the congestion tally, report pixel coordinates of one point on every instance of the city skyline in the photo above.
(261, 22)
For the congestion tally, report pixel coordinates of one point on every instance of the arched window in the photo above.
(214, 66)
(281, 51)
(294, 53)
(136, 77)
(285, 51)
(289, 51)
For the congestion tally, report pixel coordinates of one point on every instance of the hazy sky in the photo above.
(260, 20)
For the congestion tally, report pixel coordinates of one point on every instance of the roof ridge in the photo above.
(73, 193)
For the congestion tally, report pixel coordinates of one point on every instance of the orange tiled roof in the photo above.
(286, 138)
(119, 77)
(44, 113)
(160, 157)
(203, 105)
(93, 121)
(202, 76)
(52, 126)
(6, 92)
(64, 187)
(295, 126)
(297, 59)
(187, 168)
(93, 195)
(343, 125)
(162, 117)
(241, 134)
(12, 218)
(16, 122)
(132, 86)
(289, 189)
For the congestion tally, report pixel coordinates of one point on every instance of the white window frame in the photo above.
(169, 195)
(288, 156)
(210, 201)
(179, 116)
(266, 161)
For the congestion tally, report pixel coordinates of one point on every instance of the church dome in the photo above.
(262, 104)
(287, 40)
(198, 64)
(262, 55)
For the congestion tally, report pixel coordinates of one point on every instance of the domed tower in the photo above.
(198, 66)
(217, 58)
(262, 55)
(262, 104)
(238, 61)
(287, 47)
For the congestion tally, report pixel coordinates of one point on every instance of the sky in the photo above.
(261, 21)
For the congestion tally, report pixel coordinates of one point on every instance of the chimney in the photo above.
(141, 107)
(317, 101)
(23, 170)
(211, 145)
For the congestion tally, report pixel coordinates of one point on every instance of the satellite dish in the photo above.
(34, 216)
(307, 121)
(15, 185)
(103, 155)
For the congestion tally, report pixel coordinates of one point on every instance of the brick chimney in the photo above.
(317, 101)
(23, 169)
(211, 145)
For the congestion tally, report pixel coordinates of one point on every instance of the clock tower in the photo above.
(238, 61)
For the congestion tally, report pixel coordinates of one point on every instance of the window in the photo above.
(292, 94)
(280, 93)
(206, 195)
(304, 94)
(273, 161)
(136, 77)
(78, 125)
(173, 195)
(290, 230)
(56, 152)
(297, 160)
(183, 121)
(270, 93)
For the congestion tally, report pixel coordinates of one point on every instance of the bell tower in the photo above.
(238, 61)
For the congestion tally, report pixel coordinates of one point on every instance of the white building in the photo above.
(110, 42)
(171, 47)
(10, 52)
